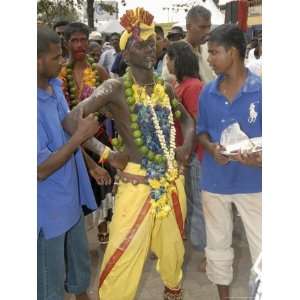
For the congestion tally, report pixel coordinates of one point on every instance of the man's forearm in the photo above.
(95, 103)
(90, 163)
(94, 146)
(205, 141)
(187, 125)
(58, 158)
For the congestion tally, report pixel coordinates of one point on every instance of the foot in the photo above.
(103, 234)
(173, 294)
(103, 238)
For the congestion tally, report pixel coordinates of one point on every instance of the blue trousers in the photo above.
(195, 224)
(63, 263)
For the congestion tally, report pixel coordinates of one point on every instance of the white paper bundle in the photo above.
(234, 140)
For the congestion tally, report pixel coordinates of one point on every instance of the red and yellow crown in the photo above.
(137, 23)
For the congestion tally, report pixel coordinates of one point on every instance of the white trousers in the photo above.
(217, 211)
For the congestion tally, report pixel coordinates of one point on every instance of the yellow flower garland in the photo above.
(90, 78)
(160, 207)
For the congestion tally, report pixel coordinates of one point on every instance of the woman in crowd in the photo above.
(183, 63)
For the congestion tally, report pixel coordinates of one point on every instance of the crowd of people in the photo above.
(129, 131)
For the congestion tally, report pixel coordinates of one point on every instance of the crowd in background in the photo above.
(183, 59)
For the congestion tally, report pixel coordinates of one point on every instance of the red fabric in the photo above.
(243, 15)
(178, 214)
(188, 92)
(124, 245)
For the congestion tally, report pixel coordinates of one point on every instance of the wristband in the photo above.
(104, 156)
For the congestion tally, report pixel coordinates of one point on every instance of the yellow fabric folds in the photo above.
(162, 236)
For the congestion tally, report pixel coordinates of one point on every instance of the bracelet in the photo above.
(104, 155)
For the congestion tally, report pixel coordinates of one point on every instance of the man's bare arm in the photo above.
(102, 95)
(205, 141)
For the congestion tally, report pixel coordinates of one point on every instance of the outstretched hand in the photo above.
(101, 176)
(87, 127)
(217, 155)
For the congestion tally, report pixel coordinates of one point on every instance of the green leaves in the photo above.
(52, 11)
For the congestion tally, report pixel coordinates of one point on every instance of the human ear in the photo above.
(232, 52)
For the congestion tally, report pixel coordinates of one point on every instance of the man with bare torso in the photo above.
(150, 201)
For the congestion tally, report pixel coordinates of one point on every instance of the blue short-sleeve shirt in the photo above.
(59, 196)
(215, 114)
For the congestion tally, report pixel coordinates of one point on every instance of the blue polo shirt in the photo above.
(215, 114)
(60, 196)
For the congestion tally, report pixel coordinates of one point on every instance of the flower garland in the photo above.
(73, 93)
(152, 125)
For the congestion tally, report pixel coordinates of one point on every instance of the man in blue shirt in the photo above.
(63, 183)
(234, 97)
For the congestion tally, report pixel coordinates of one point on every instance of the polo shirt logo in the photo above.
(252, 113)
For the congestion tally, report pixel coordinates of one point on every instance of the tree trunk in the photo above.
(90, 13)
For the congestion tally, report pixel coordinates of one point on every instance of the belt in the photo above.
(127, 177)
(134, 179)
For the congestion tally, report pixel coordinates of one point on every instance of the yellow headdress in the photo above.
(138, 23)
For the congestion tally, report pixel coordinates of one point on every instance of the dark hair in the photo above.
(179, 28)
(75, 27)
(116, 34)
(93, 44)
(60, 23)
(198, 11)
(229, 35)
(254, 43)
(185, 60)
(159, 30)
(45, 37)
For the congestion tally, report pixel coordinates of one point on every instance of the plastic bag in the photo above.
(234, 140)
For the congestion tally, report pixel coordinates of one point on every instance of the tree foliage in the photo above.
(50, 12)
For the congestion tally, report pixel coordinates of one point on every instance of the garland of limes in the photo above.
(137, 134)
(90, 77)
(156, 145)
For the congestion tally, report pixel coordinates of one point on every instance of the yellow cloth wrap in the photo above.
(145, 32)
(162, 236)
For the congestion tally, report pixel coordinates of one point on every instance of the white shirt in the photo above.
(107, 59)
(255, 66)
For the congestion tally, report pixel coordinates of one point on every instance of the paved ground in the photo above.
(196, 284)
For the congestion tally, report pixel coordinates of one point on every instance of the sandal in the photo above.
(103, 238)
(103, 235)
(173, 294)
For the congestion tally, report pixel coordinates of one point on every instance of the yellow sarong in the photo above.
(134, 230)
